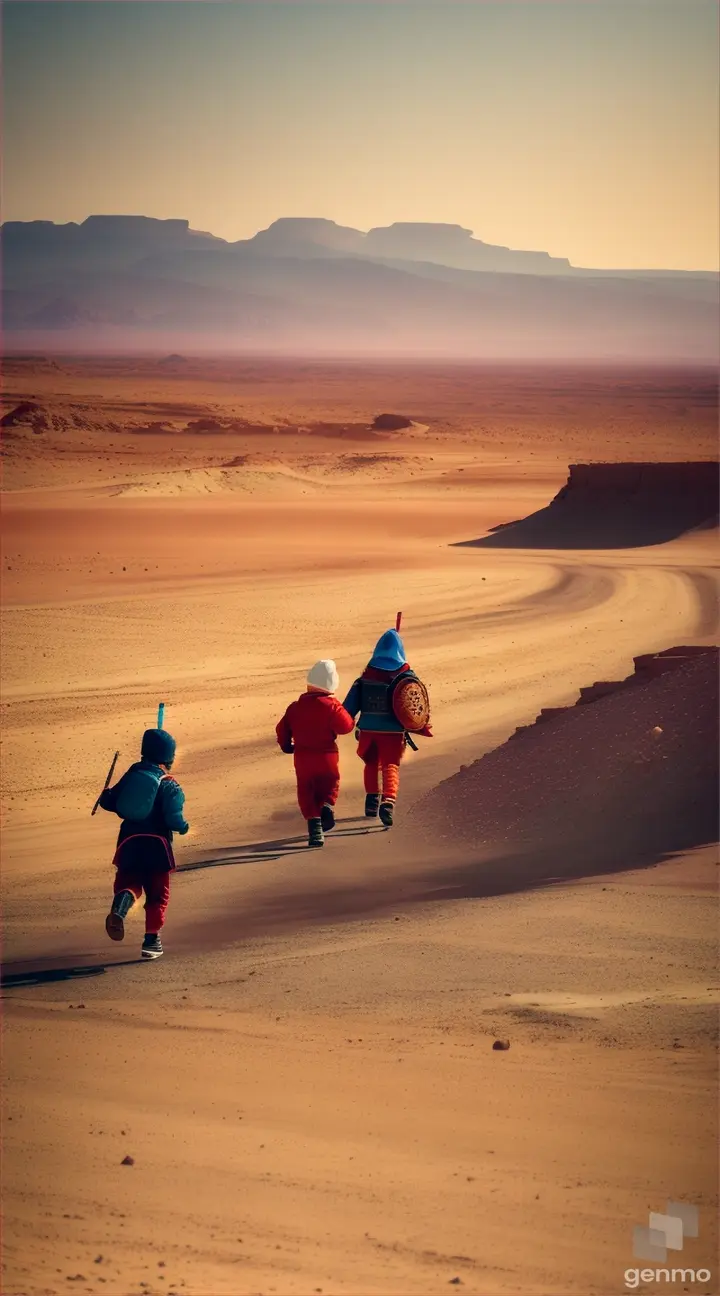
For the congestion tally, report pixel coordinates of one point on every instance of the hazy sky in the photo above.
(586, 128)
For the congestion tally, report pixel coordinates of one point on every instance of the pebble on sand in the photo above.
(501, 1044)
(128, 1160)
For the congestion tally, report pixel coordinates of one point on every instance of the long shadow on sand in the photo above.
(280, 848)
(14, 975)
(310, 902)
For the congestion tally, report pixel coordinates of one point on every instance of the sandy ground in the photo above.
(307, 1085)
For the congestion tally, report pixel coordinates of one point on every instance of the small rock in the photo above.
(501, 1044)
(98, 1259)
(128, 1160)
(455, 1282)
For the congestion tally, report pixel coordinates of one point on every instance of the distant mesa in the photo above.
(618, 506)
(172, 362)
(306, 285)
(391, 423)
(452, 245)
(439, 244)
(291, 234)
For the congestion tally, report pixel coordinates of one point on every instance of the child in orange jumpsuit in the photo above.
(381, 737)
(308, 731)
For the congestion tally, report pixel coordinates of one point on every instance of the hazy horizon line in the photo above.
(78, 223)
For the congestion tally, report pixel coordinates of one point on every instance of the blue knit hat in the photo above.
(158, 746)
(389, 654)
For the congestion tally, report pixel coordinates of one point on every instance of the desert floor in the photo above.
(306, 1081)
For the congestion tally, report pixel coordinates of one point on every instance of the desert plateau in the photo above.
(312, 1091)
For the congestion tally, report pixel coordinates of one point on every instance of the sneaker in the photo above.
(386, 813)
(152, 946)
(119, 910)
(372, 805)
(327, 818)
(315, 833)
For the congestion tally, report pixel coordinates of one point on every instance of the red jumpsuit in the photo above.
(309, 729)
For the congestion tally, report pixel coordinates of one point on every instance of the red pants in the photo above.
(382, 753)
(318, 781)
(157, 892)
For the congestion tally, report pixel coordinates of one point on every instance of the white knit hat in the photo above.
(324, 676)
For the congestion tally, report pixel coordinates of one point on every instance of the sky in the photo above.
(584, 128)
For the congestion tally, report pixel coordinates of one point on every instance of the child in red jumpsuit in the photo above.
(381, 737)
(151, 806)
(308, 731)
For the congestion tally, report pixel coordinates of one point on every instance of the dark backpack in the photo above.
(137, 792)
(376, 695)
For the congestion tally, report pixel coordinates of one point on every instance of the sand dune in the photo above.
(306, 1082)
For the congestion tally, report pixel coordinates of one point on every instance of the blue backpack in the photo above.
(137, 792)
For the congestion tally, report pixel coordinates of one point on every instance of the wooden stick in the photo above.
(107, 780)
(398, 620)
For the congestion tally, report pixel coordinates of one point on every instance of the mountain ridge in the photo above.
(311, 284)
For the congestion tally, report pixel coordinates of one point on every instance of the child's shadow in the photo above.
(257, 852)
(68, 972)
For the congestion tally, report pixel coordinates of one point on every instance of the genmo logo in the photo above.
(665, 1232)
(633, 1277)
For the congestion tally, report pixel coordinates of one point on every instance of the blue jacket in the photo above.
(167, 814)
(379, 717)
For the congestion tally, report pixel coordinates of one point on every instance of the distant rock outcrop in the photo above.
(647, 667)
(391, 423)
(616, 783)
(27, 414)
(617, 506)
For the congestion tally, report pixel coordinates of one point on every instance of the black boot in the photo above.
(372, 804)
(119, 910)
(327, 818)
(386, 813)
(152, 946)
(315, 833)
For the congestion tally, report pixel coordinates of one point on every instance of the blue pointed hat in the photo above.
(389, 654)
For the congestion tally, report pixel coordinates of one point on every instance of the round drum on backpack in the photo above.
(410, 703)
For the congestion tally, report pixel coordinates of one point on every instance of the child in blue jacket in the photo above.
(151, 805)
